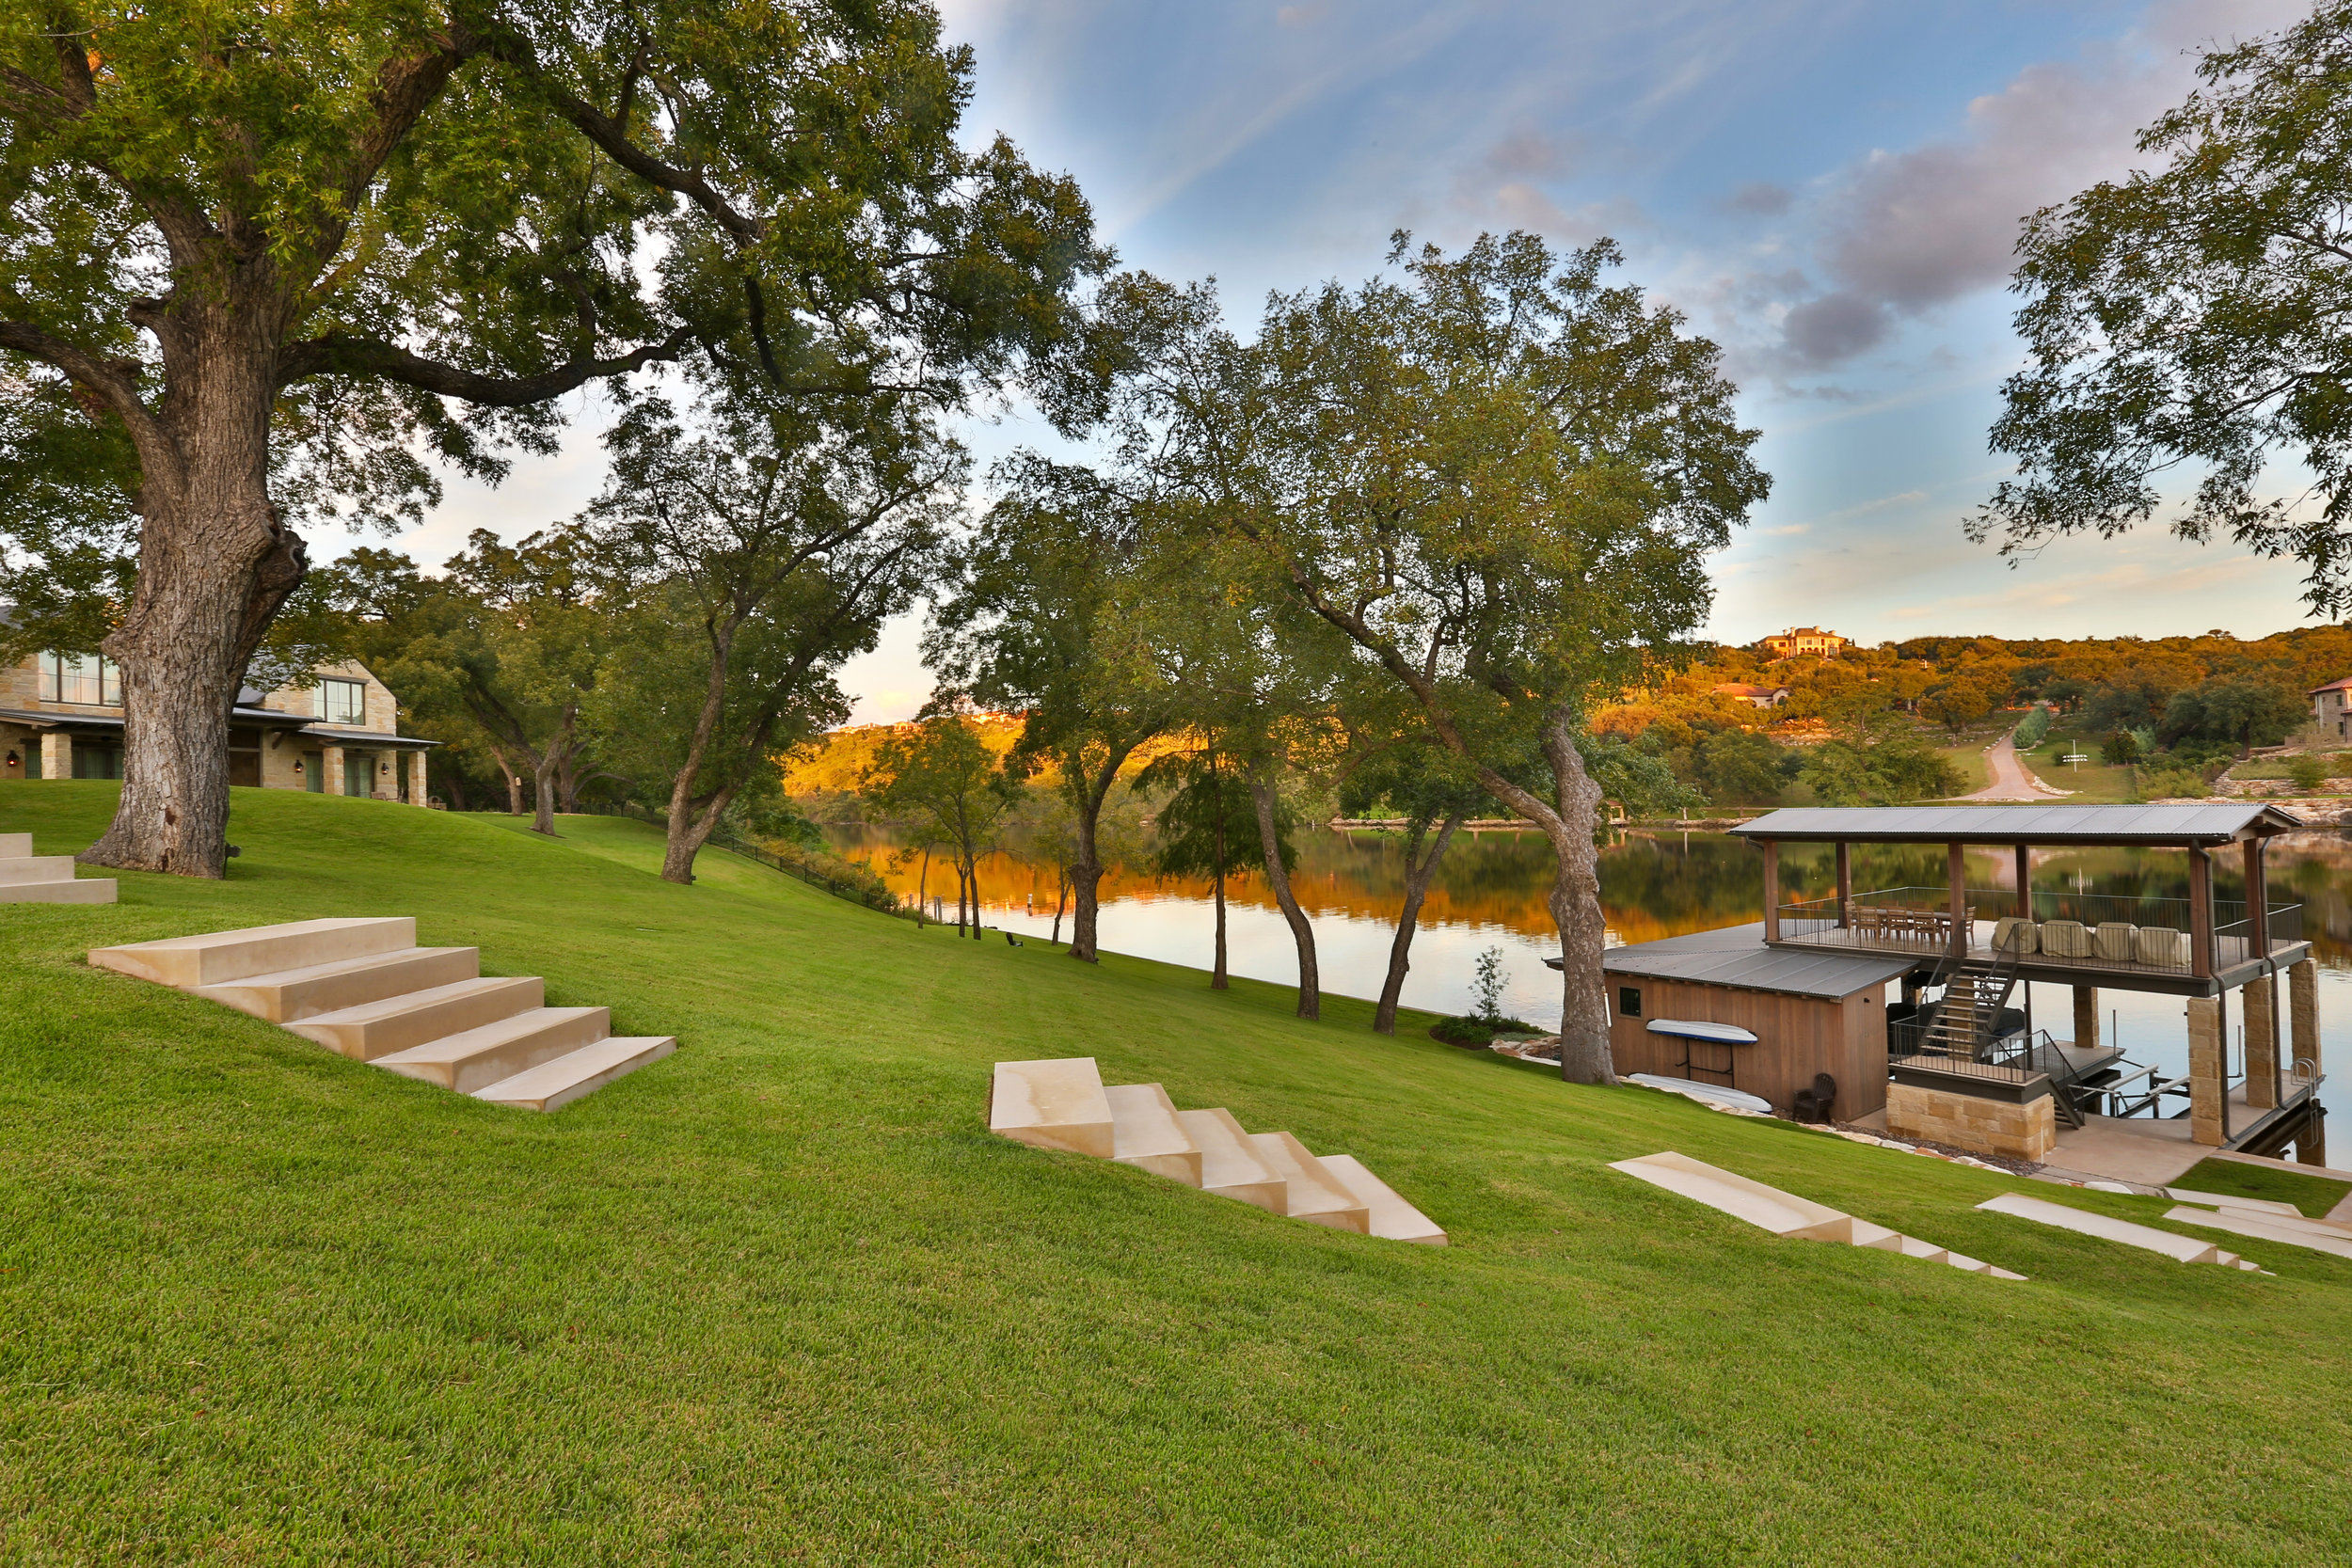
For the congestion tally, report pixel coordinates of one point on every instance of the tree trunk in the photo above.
(1086, 872)
(543, 777)
(1061, 899)
(1416, 880)
(1575, 900)
(513, 781)
(923, 888)
(215, 563)
(1270, 838)
(1218, 980)
(689, 830)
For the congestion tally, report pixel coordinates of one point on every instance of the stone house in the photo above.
(61, 717)
(2328, 708)
(1804, 642)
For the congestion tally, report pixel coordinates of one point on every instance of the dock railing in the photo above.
(2128, 933)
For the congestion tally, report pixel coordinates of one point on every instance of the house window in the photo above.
(90, 679)
(343, 701)
(1629, 1002)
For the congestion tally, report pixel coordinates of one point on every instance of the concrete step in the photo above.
(206, 960)
(1393, 1218)
(18, 869)
(1052, 1104)
(552, 1085)
(15, 845)
(476, 1058)
(2293, 1231)
(1313, 1194)
(375, 1029)
(89, 890)
(293, 994)
(1229, 1163)
(1146, 1135)
(2186, 1249)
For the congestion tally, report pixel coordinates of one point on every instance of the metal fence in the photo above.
(1919, 920)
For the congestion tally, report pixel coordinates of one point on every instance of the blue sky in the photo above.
(1828, 188)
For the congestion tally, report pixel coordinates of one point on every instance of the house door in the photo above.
(358, 774)
(97, 761)
(314, 773)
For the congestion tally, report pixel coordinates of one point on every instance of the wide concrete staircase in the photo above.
(1064, 1104)
(364, 989)
(29, 879)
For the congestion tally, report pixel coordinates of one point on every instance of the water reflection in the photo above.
(1491, 888)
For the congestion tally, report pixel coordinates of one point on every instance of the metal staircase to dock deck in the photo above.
(364, 989)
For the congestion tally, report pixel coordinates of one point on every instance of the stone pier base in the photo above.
(2020, 1132)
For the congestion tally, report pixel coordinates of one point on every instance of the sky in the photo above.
(1828, 189)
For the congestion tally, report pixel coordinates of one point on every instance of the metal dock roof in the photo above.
(2220, 822)
(1736, 956)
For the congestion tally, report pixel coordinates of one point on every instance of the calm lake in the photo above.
(1490, 892)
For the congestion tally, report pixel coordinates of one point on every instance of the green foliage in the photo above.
(1209, 825)
(1486, 988)
(1742, 767)
(2031, 729)
(1892, 766)
(2307, 771)
(2245, 711)
(1956, 704)
(2195, 314)
(2121, 748)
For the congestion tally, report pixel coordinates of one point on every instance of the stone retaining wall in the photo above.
(2028, 1131)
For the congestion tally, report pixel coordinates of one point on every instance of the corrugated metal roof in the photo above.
(1736, 956)
(2215, 823)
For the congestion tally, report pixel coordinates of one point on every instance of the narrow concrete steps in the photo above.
(17, 870)
(1784, 1214)
(474, 1059)
(1146, 1135)
(29, 879)
(188, 962)
(552, 1086)
(1230, 1163)
(2291, 1229)
(364, 989)
(291, 995)
(1311, 1193)
(375, 1029)
(2185, 1249)
(1064, 1104)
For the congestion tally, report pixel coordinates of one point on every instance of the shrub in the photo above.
(2032, 728)
(2120, 749)
(2307, 771)
(2171, 780)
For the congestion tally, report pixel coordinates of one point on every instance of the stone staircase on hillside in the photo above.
(1064, 1104)
(364, 989)
(29, 879)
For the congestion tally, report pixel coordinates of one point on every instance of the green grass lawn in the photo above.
(2314, 1195)
(782, 1298)
(2092, 782)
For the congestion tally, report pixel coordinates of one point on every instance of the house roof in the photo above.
(53, 718)
(1741, 689)
(2343, 685)
(1736, 956)
(2220, 822)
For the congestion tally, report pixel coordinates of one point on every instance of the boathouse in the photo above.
(1954, 1060)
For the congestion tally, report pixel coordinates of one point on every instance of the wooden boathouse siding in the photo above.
(1796, 1037)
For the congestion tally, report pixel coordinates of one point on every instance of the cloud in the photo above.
(1909, 232)
(1761, 198)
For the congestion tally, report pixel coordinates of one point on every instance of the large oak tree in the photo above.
(280, 259)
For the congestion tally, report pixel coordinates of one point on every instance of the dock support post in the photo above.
(1956, 869)
(2262, 1043)
(1845, 886)
(2086, 1016)
(2200, 914)
(2205, 1068)
(2257, 902)
(2024, 882)
(1772, 889)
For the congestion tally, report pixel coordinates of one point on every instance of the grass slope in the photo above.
(782, 1298)
(2314, 1195)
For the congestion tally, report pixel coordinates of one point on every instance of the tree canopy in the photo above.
(2197, 320)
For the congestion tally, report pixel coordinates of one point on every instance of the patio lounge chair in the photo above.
(2161, 945)
(2016, 934)
(2114, 942)
(1813, 1105)
(2065, 939)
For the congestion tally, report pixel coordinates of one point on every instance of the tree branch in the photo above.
(113, 385)
(342, 354)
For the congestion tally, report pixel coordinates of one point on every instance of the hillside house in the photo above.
(61, 717)
(1755, 696)
(1805, 642)
(2329, 709)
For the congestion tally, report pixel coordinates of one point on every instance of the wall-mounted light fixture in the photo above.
(12, 762)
